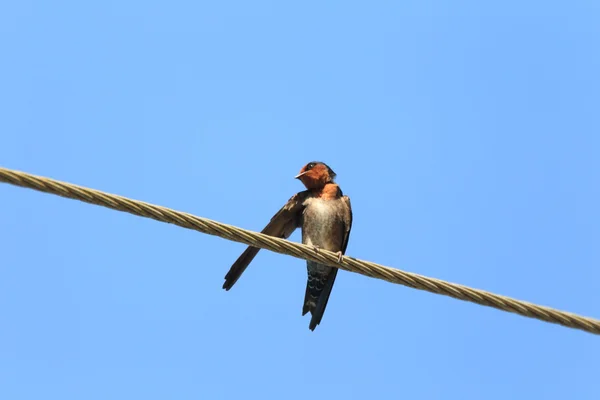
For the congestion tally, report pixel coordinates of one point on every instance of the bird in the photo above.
(324, 214)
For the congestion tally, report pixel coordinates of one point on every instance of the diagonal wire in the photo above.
(299, 250)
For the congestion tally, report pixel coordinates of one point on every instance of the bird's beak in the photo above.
(299, 175)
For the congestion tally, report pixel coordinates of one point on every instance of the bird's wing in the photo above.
(282, 225)
(347, 223)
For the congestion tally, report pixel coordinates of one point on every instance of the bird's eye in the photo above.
(310, 166)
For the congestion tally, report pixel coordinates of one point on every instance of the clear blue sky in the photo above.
(466, 133)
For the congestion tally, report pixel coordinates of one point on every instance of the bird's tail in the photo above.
(318, 289)
(239, 266)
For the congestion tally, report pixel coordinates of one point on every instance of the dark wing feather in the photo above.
(282, 225)
(347, 222)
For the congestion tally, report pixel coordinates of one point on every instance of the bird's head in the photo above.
(315, 175)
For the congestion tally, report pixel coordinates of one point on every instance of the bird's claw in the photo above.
(339, 254)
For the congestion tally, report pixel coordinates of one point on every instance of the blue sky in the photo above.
(465, 133)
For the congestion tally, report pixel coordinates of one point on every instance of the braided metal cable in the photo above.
(298, 250)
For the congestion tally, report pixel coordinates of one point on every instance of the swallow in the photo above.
(325, 215)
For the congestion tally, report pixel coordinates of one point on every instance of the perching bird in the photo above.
(325, 216)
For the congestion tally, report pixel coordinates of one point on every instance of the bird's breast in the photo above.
(322, 224)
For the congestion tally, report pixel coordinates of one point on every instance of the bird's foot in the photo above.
(340, 256)
(317, 248)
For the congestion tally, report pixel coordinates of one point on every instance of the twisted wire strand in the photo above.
(299, 250)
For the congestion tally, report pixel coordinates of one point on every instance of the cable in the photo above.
(298, 250)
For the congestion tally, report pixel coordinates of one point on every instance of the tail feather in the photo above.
(309, 304)
(318, 290)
